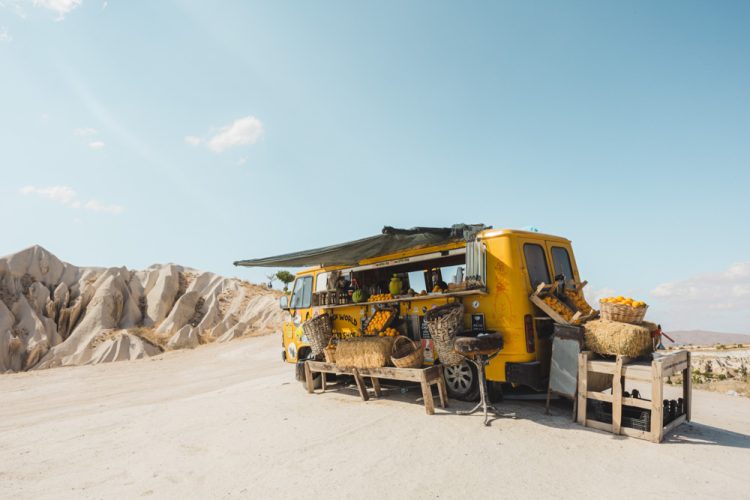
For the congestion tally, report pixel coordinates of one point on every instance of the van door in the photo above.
(300, 309)
(536, 262)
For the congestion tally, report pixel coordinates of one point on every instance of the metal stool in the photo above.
(479, 351)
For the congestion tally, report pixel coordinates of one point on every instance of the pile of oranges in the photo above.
(377, 322)
(389, 332)
(625, 301)
(378, 297)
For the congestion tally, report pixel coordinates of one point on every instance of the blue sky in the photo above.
(134, 132)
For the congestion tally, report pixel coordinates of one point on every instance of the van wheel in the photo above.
(317, 382)
(299, 374)
(462, 381)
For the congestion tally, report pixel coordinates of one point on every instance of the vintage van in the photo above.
(492, 271)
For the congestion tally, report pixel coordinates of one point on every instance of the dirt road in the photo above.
(229, 421)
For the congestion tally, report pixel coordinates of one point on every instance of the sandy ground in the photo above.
(229, 421)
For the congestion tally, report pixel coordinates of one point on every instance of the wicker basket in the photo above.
(622, 313)
(406, 353)
(444, 323)
(330, 354)
(319, 333)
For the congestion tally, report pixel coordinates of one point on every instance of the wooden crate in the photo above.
(625, 370)
(543, 289)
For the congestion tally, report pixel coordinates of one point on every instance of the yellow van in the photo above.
(492, 271)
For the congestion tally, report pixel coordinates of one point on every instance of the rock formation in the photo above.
(55, 314)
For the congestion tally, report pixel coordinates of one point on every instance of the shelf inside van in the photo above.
(429, 296)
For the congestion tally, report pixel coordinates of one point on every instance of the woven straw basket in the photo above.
(444, 323)
(622, 313)
(330, 354)
(319, 332)
(406, 353)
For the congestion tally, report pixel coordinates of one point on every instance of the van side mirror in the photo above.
(284, 302)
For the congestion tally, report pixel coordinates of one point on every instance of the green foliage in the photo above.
(285, 277)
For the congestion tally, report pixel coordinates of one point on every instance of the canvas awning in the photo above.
(391, 240)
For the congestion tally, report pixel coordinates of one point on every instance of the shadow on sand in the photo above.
(560, 416)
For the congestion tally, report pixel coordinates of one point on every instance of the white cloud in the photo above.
(710, 289)
(721, 291)
(62, 194)
(84, 131)
(61, 7)
(68, 197)
(96, 145)
(241, 132)
(4, 35)
(95, 206)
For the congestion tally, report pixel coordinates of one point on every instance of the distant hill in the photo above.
(702, 337)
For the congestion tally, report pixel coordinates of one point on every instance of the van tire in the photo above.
(462, 381)
(300, 376)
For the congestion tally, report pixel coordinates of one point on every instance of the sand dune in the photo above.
(55, 314)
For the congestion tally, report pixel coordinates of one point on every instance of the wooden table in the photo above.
(426, 377)
(624, 370)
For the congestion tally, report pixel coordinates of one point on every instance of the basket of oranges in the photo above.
(623, 309)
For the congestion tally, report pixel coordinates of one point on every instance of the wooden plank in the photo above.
(429, 404)
(582, 377)
(442, 390)
(309, 378)
(433, 296)
(361, 387)
(687, 387)
(674, 423)
(617, 396)
(600, 396)
(407, 374)
(627, 431)
(376, 386)
(657, 397)
(601, 426)
(638, 403)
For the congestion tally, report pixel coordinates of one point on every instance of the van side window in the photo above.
(561, 261)
(302, 293)
(321, 282)
(536, 264)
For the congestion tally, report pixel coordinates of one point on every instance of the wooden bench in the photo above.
(426, 377)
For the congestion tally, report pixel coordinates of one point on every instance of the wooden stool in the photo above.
(479, 351)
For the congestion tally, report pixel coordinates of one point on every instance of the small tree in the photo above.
(285, 277)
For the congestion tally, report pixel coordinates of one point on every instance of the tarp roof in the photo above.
(391, 240)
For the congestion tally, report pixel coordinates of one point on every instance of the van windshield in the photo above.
(302, 293)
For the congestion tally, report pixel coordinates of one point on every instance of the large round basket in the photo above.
(445, 323)
(406, 353)
(622, 313)
(318, 331)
